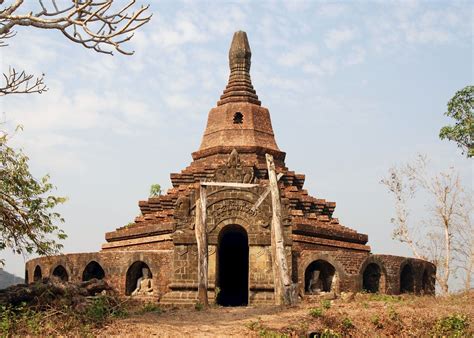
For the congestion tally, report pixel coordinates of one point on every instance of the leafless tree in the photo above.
(96, 24)
(445, 235)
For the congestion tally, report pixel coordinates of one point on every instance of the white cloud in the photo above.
(331, 10)
(337, 37)
(355, 56)
(297, 55)
(327, 66)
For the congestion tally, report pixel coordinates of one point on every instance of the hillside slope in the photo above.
(7, 279)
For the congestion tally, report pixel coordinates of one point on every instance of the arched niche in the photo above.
(61, 273)
(37, 274)
(371, 278)
(407, 279)
(93, 270)
(319, 275)
(134, 273)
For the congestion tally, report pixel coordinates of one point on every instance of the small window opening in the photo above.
(238, 118)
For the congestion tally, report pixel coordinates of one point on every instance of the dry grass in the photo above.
(366, 315)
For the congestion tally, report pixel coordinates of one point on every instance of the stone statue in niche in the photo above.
(233, 171)
(315, 283)
(144, 284)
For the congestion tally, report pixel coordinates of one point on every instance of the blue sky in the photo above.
(352, 87)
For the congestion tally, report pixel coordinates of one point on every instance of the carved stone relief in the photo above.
(233, 171)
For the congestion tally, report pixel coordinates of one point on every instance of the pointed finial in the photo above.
(239, 52)
(239, 88)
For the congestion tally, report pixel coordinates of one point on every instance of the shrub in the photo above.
(198, 306)
(392, 314)
(102, 308)
(454, 325)
(347, 323)
(150, 307)
(326, 304)
(316, 312)
(375, 319)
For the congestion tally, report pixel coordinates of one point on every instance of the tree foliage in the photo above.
(155, 190)
(461, 108)
(28, 223)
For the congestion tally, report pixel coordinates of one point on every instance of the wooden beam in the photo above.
(264, 195)
(201, 240)
(230, 184)
(281, 276)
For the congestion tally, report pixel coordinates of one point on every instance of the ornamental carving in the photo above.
(233, 171)
(225, 209)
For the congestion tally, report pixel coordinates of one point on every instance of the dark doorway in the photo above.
(371, 278)
(93, 270)
(318, 277)
(37, 275)
(61, 273)
(407, 280)
(233, 266)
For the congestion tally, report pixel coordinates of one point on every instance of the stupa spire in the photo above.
(239, 88)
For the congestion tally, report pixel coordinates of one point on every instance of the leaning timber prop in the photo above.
(281, 276)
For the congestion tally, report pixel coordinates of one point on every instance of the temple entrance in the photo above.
(233, 266)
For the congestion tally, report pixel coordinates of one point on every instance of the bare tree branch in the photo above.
(21, 83)
(95, 24)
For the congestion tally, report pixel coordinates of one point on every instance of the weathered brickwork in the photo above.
(114, 264)
(238, 134)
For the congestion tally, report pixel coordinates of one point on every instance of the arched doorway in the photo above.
(61, 273)
(318, 277)
(233, 266)
(37, 274)
(371, 278)
(93, 270)
(407, 279)
(134, 273)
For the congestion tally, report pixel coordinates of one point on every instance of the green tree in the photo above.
(461, 108)
(155, 190)
(28, 223)
(27, 219)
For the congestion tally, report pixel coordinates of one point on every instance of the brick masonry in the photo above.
(237, 137)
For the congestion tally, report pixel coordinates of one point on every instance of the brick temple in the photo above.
(157, 255)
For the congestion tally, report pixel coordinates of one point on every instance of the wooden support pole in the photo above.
(201, 240)
(281, 277)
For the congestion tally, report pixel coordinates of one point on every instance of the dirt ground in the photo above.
(365, 315)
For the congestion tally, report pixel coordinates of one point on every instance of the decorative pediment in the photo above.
(234, 171)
